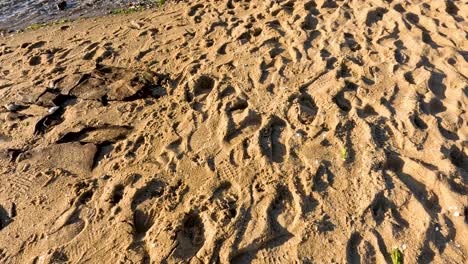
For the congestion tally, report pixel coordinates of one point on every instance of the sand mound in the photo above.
(238, 132)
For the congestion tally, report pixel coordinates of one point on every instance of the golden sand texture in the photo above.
(238, 132)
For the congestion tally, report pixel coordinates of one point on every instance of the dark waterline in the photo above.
(19, 14)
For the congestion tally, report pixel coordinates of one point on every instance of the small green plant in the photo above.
(344, 154)
(41, 25)
(396, 256)
(161, 2)
(127, 10)
(35, 26)
(63, 21)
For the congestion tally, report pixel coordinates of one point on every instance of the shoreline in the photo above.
(74, 14)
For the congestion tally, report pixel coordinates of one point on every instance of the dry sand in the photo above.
(238, 132)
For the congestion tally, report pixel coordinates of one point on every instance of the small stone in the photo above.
(456, 213)
(62, 5)
(51, 85)
(53, 109)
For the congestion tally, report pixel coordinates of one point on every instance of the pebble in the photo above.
(53, 109)
(51, 85)
(456, 214)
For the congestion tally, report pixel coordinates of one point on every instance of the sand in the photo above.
(238, 132)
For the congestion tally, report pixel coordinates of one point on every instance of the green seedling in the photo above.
(126, 10)
(344, 154)
(41, 25)
(396, 256)
(35, 26)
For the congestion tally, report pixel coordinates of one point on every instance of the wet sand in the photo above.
(20, 14)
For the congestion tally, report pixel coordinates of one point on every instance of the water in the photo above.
(18, 14)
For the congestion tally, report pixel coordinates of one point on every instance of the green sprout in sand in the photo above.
(396, 256)
(344, 154)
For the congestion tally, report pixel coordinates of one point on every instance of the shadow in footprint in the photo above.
(436, 84)
(116, 195)
(270, 140)
(279, 234)
(199, 91)
(142, 217)
(418, 122)
(340, 100)
(4, 218)
(35, 60)
(445, 132)
(379, 208)
(457, 157)
(453, 10)
(190, 237)
(366, 111)
(324, 178)
(352, 253)
(375, 16)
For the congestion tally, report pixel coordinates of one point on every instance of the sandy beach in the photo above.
(238, 132)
